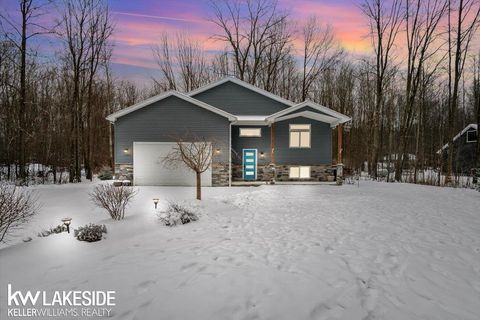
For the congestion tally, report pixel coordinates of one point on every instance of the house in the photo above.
(465, 148)
(256, 136)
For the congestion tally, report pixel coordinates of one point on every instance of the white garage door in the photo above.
(148, 169)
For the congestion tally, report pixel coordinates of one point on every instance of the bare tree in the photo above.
(476, 102)
(384, 23)
(421, 19)
(164, 59)
(86, 28)
(100, 29)
(320, 52)
(182, 63)
(17, 206)
(460, 35)
(194, 152)
(20, 34)
(248, 28)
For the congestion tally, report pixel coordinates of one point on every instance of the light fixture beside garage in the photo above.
(126, 151)
(217, 151)
(262, 155)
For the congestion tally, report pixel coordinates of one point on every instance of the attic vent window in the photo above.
(472, 136)
(250, 132)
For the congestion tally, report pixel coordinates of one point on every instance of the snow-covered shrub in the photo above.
(90, 232)
(177, 214)
(58, 229)
(113, 199)
(105, 174)
(16, 206)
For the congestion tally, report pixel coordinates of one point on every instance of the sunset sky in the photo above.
(139, 24)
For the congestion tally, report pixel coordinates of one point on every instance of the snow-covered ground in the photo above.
(378, 251)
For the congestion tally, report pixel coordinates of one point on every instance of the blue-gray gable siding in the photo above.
(239, 100)
(321, 144)
(164, 120)
(307, 108)
(262, 144)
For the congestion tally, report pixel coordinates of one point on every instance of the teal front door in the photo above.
(249, 164)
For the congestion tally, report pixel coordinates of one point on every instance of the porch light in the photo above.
(125, 150)
(155, 201)
(66, 222)
(217, 151)
(262, 155)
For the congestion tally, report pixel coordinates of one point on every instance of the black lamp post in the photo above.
(155, 201)
(66, 222)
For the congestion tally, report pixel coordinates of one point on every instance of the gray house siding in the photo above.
(321, 144)
(238, 100)
(163, 120)
(262, 144)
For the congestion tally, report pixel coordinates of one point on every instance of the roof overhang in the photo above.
(114, 116)
(325, 114)
(311, 115)
(242, 84)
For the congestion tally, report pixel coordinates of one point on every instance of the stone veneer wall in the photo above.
(124, 171)
(264, 173)
(219, 173)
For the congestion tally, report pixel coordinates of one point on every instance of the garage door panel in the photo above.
(149, 169)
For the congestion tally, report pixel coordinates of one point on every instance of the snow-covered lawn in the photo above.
(380, 251)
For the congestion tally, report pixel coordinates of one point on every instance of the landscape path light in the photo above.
(155, 201)
(66, 222)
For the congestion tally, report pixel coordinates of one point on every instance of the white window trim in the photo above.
(250, 136)
(299, 170)
(470, 141)
(297, 130)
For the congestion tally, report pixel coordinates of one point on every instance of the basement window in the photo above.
(472, 136)
(299, 136)
(250, 132)
(301, 172)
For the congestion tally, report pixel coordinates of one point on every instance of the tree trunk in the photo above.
(23, 93)
(199, 185)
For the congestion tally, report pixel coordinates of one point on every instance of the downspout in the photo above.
(230, 154)
(112, 145)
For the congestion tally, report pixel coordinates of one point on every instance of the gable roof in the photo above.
(114, 116)
(471, 126)
(242, 84)
(331, 114)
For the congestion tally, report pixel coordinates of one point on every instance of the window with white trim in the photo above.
(300, 136)
(300, 172)
(472, 136)
(250, 132)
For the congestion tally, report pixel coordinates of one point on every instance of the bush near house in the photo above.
(90, 233)
(56, 230)
(113, 199)
(17, 206)
(177, 214)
